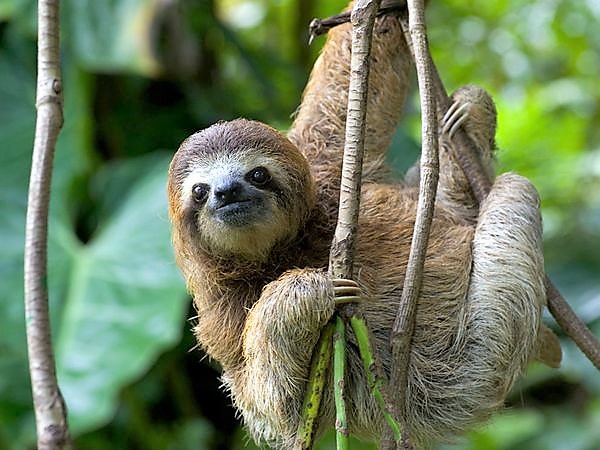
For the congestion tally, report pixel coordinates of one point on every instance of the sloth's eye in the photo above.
(200, 192)
(259, 176)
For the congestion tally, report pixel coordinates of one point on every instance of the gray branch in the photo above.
(404, 324)
(50, 411)
(342, 248)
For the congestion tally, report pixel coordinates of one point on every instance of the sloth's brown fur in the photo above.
(479, 310)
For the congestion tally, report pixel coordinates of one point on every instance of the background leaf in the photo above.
(124, 302)
(117, 300)
(113, 34)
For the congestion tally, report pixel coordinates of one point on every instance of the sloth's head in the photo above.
(238, 188)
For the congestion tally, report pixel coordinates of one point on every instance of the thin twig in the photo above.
(404, 324)
(342, 248)
(50, 410)
(374, 380)
(341, 256)
(318, 26)
(572, 324)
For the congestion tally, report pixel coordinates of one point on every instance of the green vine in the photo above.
(339, 370)
(314, 390)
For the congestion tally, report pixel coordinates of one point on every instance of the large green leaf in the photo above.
(107, 36)
(125, 300)
(116, 301)
(17, 89)
(11, 8)
(113, 35)
(16, 420)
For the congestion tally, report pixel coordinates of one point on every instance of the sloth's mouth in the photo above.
(239, 213)
(234, 205)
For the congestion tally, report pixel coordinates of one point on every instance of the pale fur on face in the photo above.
(255, 240)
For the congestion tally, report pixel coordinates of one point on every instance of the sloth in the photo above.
(253, 214)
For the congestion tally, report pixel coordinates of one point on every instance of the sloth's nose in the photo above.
(228, 193)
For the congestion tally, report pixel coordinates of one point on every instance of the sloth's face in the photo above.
(236, 204)
(240, 196)
(232, 192)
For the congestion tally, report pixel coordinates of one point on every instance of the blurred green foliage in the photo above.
(140, 75)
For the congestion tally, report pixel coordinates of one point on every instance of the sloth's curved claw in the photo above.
(346, 291)
(456, 115)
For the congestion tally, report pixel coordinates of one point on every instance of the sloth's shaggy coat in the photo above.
(260, 311)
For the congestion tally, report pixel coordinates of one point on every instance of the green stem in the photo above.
(314, 389)
(339, 370)
(375, 383)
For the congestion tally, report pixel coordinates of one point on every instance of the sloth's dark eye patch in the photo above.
(259, 176)
(200, 192)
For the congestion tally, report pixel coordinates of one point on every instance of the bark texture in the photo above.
(50, 410)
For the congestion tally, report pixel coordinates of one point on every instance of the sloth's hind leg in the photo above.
(506, 291)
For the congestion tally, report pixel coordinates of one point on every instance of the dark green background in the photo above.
(139, 76)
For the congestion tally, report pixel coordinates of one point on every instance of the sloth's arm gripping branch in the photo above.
(319, 127)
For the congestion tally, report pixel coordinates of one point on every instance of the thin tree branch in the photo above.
(50, 410)
(572, 324)
(375, 380)
(341, 257)
(404, 324)
(318, 26)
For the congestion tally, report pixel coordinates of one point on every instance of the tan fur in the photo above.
(479, 309)
(319, 126)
